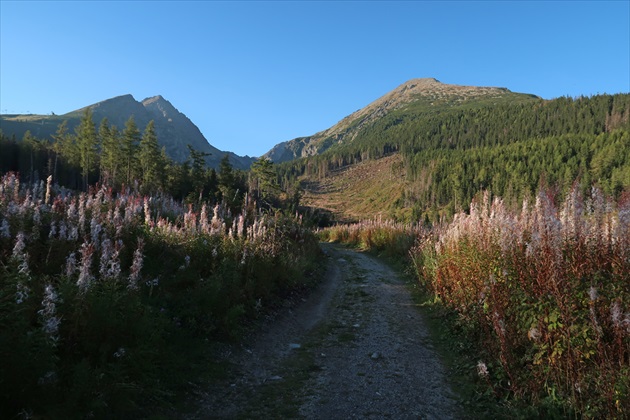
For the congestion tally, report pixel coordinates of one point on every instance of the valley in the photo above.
(145, 273)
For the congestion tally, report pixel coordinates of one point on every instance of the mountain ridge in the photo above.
(173, 128)
(429, 91)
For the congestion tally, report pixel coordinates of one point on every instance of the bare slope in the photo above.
(366, 190)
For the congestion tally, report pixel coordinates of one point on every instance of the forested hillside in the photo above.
(452, 153)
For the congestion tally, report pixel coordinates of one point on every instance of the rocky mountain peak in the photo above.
(160, 107)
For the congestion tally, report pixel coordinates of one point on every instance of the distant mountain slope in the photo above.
(174, 130)
(417, 95)
(423, 156)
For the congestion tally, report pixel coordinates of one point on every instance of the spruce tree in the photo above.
(130, 140)
(87, 143)
(150, 159)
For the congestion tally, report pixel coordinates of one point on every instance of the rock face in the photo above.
(428, 91)
(174, 130)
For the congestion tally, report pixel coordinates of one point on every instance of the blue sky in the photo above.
(253, 74)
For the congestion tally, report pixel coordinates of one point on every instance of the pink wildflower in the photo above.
(49, 313)
(85, 278)
(136, 266)
(482, 369)
(71, 264)
(48, 189)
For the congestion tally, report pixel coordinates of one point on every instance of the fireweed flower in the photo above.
(85, 278)
(153, 283)
(20, 256)
(106, 256)
(534, 334)
(95, 230)
(53, 230)
(482, 369)
(50, 320)
(136, 266)
(72, 211)
(203, 219)
(48, 188)
(21, 293)
(63, 231)
(240, 226)
(37, 217)
(71, 264)
(147, 212)
(73, 234)
(82, 213)
(18, 249)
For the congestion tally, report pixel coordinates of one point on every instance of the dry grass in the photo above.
(363, 191)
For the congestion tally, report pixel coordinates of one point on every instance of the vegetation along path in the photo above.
(356, 348)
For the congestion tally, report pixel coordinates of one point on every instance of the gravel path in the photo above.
(355, 348)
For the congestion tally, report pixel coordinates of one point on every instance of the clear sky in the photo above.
(253, 74)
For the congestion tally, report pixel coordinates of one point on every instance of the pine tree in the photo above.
(151, 159)
(263, 183)
(226, 178)
(111, 153)
(131, 137)
(87, 143)
(198, 170)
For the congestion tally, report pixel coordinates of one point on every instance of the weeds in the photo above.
(543, 292)
(97, 290)
(546, 293)
(392, 238)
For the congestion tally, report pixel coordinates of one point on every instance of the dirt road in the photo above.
(356, 348)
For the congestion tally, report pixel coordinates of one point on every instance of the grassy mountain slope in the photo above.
(415, 96)
(367, 190)
(174, 130)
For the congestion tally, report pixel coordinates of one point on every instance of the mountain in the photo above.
(426, 149)
(174, 130)
(416, 95)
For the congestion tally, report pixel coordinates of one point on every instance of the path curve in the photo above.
(357, 347)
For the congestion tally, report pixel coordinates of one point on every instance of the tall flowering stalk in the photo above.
(547, 290)
(136, 266)
(85, 277)
(48, 314)
(76, 243)
(21, 259)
